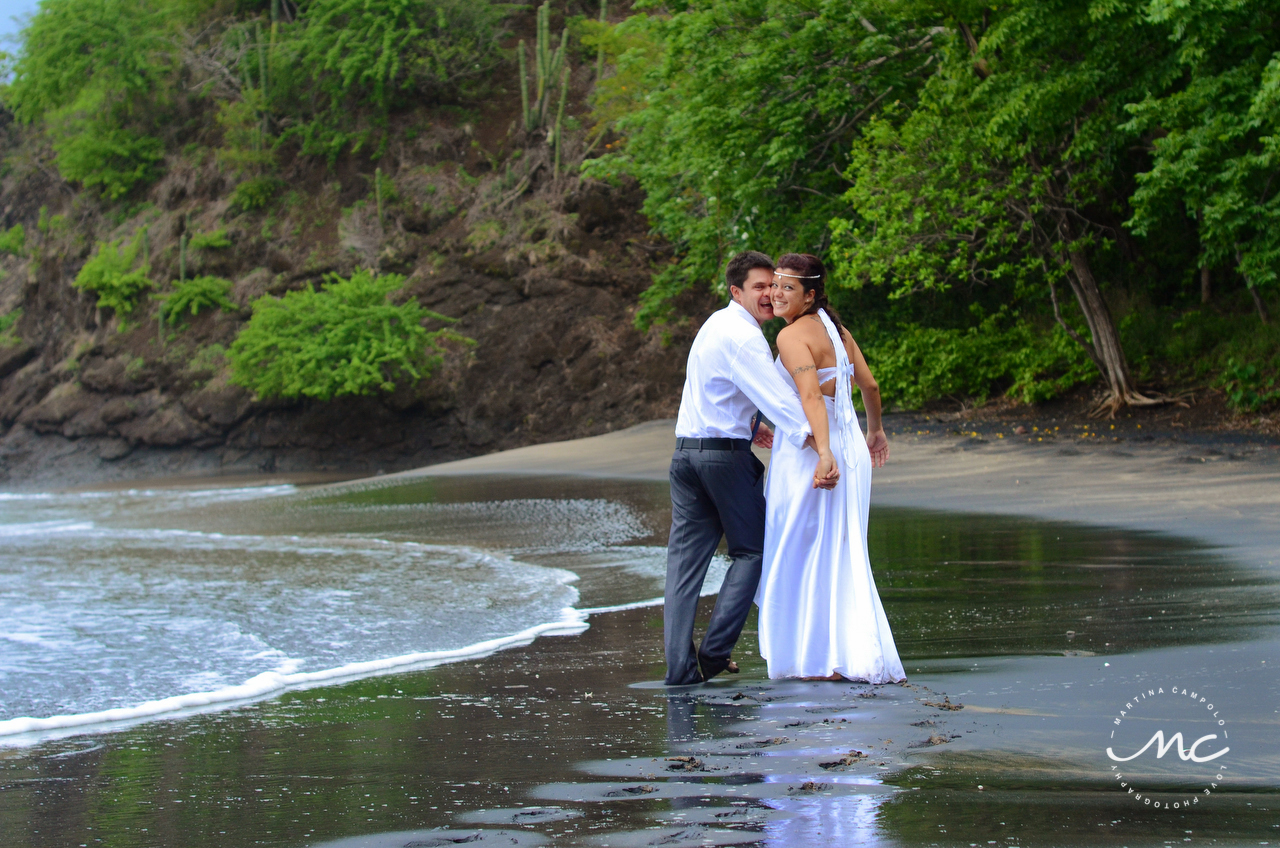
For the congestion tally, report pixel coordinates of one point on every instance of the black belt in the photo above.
(713, 444)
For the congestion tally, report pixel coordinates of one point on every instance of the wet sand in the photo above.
(1228, 496)
(572, 741)
(1016, 735)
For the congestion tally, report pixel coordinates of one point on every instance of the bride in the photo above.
(820, 614)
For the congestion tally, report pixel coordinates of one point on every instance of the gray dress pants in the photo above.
(713, 493)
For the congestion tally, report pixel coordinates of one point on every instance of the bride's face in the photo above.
(790, 300)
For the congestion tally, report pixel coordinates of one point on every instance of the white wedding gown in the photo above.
(819, 609)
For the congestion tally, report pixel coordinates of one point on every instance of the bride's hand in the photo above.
(878, 444)
(826, 474)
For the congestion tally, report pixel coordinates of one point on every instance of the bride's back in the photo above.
(808, 329)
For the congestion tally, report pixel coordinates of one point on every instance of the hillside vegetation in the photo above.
(384, 231)
(1015, 198)
(328, 234)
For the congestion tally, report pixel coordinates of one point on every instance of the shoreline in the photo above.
(574, 739)
(1228, 497)
(1142, 489)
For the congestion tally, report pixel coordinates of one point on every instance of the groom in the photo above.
(716, 481)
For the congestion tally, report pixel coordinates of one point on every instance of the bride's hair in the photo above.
(813, 277)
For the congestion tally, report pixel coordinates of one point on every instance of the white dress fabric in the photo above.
(819, 610)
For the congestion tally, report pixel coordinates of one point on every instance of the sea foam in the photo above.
(271, 682)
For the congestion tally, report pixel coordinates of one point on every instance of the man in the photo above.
(716, 481)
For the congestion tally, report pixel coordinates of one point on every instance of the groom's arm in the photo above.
(755, 375)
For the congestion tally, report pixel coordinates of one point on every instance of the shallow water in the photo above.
(113, 602)
(1042, 629)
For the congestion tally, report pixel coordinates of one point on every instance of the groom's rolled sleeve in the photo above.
(755, 375)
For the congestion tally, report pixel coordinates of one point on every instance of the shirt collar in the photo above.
(741, 311)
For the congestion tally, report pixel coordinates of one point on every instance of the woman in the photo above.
(820, 615)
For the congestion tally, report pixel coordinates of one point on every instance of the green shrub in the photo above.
(13, 240)
(215, 240)
(7, 322)
(256, 193)
(111, 274)
(190, 297)
(916, 364)
(96, 154)
(345, 339)
(96, 72)
(207, 360)
(1247, 389)
(356, 60)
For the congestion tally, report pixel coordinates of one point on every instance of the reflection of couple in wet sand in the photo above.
(799, 543)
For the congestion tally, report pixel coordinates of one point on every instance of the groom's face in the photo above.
(754, 294)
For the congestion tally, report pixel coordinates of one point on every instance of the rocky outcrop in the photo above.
(555, 356)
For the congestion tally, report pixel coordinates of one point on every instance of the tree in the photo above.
(1215, 141)
(737, 116)
(998, 174)
(93, 71)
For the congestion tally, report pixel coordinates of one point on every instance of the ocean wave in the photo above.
(238, 492)
(273, 682)
(39, 528)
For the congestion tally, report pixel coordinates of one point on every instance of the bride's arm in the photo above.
(877, 441)
(798, 360)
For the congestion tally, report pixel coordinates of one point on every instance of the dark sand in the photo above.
(571, 740)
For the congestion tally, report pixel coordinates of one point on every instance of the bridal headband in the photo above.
(797, 276)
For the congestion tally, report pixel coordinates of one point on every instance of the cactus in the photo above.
(564, 95)
(547, 66)
(604, 19)
(262, 58)
(524, 85)
(377, 191)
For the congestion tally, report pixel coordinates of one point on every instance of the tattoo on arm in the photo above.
(802, 368)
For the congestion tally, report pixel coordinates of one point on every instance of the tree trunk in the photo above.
(1205, 284)
(1253, 292)
(1262, 307)
(1108, 352)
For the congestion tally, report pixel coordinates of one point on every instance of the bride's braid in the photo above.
(813, 277)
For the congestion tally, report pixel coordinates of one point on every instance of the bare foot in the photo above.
(833, 676)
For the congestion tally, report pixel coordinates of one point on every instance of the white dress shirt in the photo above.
(730, 375)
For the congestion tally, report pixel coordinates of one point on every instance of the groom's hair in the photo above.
(741, 265)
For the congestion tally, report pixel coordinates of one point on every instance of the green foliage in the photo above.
(916, 364)
(95, 72)
(190, 297)
(207, 361)
(737, 117)
(353, 61)
(71, 45)
(256, 193)
(96, 154)
(1246, 388)
(345, 339)
(983, 181)
(246, 148)
(1216, 140)
(1227, 348)
(8, 338)
(216, 240)
(111, 274)
(13, 240)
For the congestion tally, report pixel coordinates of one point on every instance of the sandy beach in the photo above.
(1034, 588)
(1226, 496)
